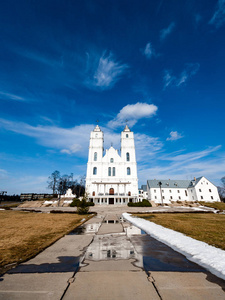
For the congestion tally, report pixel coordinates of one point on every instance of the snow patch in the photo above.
(209, 257)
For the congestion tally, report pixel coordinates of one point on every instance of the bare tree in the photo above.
(53, 181)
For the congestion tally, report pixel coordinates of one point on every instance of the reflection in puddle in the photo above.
(86, 229)
(110, 247)
(111, 221)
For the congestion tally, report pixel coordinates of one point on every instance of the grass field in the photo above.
(208, 228)
(217, 205)
(24, 234)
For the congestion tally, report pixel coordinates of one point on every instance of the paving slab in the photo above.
(46, 275)
(189, 286)
(33, 286)
(110, 265)
(111, 285)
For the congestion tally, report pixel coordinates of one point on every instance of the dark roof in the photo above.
(144, 188)
(169, 183)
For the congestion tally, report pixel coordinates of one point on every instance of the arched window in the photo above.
(95, 156)
(128, 156)
(114, 171)
(94, 171)
(109, 171)
(111, 160)
(128, 171)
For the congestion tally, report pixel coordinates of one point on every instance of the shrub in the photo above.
(83, 207)
(143, 203)
(75, 202)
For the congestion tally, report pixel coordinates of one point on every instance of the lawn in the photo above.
(208, 228)
(24, 234)
(217, 205)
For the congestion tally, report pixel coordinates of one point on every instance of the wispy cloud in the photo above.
(106, 73)
(185, 166)
(148, 51)
(174, 135)
(171, 80)
(53, 136)
(9, 96)
(218, 18)
(133, 113)
(166, 31)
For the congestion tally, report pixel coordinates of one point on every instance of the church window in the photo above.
(94, 171)
(95, 156)
(128, 171)
(109, 171)
(127, 135)
(114, 171)
(111, 160)
(128, 156)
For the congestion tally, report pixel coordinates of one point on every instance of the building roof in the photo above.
(97, 128)
(184, 184)
(126, 128)
(144, 188)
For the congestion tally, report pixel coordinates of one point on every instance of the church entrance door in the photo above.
(111, 191)
(111, 200)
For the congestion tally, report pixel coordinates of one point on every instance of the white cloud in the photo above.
(174, 135)
(133, 112)
(68, 140)
(171, 80)
(218, 19)
(184, 166)
(107, 72)
(9, 96)
(149, 51)
(166, 31)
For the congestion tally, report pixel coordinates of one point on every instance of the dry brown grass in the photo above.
(217, 205)
(208, 228)
(24, 234)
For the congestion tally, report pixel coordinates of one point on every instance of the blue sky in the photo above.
(66, 64)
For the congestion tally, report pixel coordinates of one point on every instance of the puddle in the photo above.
(86, 229)
(111, 221)
(156, 256)
(110, 247)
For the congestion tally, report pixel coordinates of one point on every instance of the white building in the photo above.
(112, 177)
(167, 191)
(142, 193)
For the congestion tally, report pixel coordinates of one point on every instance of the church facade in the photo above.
(112, 176)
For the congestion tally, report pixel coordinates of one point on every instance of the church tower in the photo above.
(111, 177)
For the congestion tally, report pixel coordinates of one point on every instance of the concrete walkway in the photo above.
(109, 260)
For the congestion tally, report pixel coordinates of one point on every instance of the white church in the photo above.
(112, 177)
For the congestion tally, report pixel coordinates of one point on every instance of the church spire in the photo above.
(126, 128)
